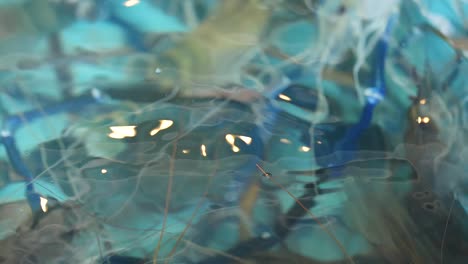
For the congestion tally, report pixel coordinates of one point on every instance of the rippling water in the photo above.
(233, 131)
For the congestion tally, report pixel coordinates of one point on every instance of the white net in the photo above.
(233, 131)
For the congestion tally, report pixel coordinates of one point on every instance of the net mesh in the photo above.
(229, 136)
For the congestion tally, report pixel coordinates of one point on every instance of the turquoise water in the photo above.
(233, 131)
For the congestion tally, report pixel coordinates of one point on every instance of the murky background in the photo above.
(233, 131)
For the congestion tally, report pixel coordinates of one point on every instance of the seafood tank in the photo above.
(233, 131)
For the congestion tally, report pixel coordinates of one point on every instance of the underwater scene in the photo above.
(233, 131)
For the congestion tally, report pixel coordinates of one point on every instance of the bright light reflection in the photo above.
(185, 151)
(285, 141)
(305, 149)
(247, 140)
(103, 171)
(203, 150)
(130, 3)
(424, 120)
(44, 204)
(119, 132)
(230, 139)
(163, 124)
(422, 101)
(285, 97)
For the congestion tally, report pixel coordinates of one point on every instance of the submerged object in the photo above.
(12, 123)
(46, 236)
(238, 132)
(26, 22)
(213, 53)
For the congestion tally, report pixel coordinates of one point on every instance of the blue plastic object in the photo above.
(18, 164)
(12, 123)
(374, 95)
